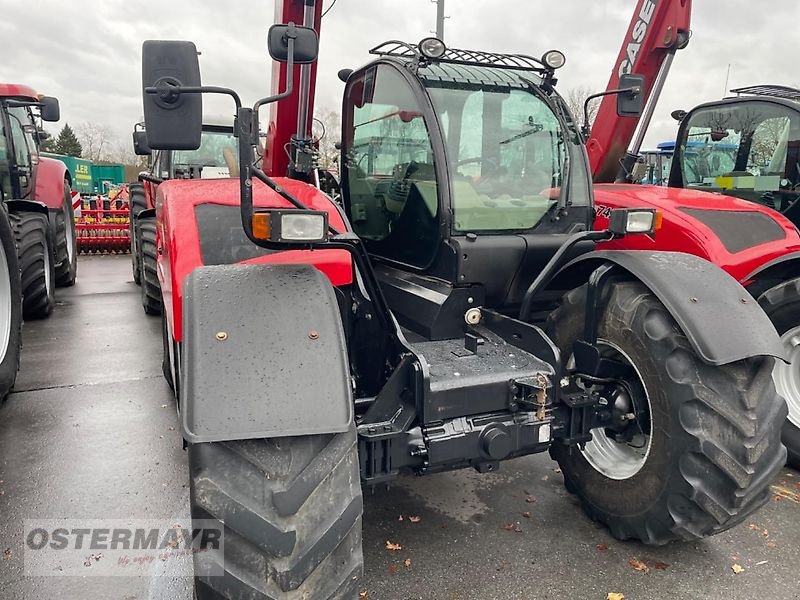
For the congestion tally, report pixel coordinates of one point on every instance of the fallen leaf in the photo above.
(363, 595)
(163, 406)
(783, 492)
(526, 514)
(517, 529)
(761, 562)
(392, 546)
(602, 547)
(556, 470)
(545, 478)
(638, 565)
(656, 564)
(414, 519)
(754, 527)
(407, 563)
(508, 527)
(736, 568)
(7, 554)
(400, 518)
(392, 569)
(772, 545)
(765, 533)
(615, 596)
(530, 499)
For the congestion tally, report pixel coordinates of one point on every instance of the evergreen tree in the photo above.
(67, 143)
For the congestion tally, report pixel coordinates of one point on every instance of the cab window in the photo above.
(750, 150)
(391, 173)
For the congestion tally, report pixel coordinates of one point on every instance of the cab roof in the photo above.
(18, 90)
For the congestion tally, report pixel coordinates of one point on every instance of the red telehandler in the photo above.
(753, 243)
(443, 318)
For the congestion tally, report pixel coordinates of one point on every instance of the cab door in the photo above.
(24, 154)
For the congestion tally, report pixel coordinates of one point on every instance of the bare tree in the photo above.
(328, 130)
(95, 140)
(575, 99)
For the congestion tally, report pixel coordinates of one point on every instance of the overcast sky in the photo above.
(88, 53)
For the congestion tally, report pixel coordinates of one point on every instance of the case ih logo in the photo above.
(638, 35)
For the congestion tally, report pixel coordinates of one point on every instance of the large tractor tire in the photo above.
(137, 201)
(782, 305)
(151, 289)
(35, 254)
(10, 306)
(291, 509)
(706, 440)
(66, 242)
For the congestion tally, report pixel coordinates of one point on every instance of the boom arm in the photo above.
(290, 119)
(659, 29)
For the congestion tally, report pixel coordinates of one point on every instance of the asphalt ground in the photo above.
(90, 433)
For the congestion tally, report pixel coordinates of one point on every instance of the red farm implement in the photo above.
(102, 222)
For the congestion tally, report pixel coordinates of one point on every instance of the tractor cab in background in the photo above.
(747, 147)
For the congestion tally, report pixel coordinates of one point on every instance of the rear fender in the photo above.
(722, 322)
(263, 354)
(50, 176)
(26, 206)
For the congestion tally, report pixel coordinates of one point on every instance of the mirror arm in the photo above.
(586, 129)
(195, 89)
(289, 81)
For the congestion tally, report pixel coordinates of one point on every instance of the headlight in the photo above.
(432, 48)
(554, 59)
(623, 221)
(290, 225)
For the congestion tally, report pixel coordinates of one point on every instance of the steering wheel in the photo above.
(478, 159)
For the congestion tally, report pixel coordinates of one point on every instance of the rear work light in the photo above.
(290, 226)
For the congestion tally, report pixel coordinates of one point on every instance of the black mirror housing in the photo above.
(306, 43)
(140, 146)
(49, 109)
(630, 103)
(173, 119)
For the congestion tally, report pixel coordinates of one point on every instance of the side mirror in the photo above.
(630, 103)
(173, 118)
(140, 146)
(49, 109)
(306, 43)
(679, 115)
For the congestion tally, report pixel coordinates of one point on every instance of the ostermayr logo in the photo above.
(123, 547)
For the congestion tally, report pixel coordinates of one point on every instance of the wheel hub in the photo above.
(621, 450)
(787, 376)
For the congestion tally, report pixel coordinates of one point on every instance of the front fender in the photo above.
(722, 322)
(26, 206)
(263, 355)
(50, 176)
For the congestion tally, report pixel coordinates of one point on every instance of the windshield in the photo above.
(749, 149)
(508, 156)
(217, 156)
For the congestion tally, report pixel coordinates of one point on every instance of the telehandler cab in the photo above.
(453, 315)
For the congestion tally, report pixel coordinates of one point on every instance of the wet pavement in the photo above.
(90, 433)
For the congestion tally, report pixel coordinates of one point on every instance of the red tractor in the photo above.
(746, 148)
(36, 194)
(445, 318)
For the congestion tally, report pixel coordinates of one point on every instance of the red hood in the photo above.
(682, 231)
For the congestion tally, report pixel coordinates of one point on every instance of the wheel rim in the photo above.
(69, 234)
(5, 312)
(787, 377)
(48, 281)
(619, 460)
